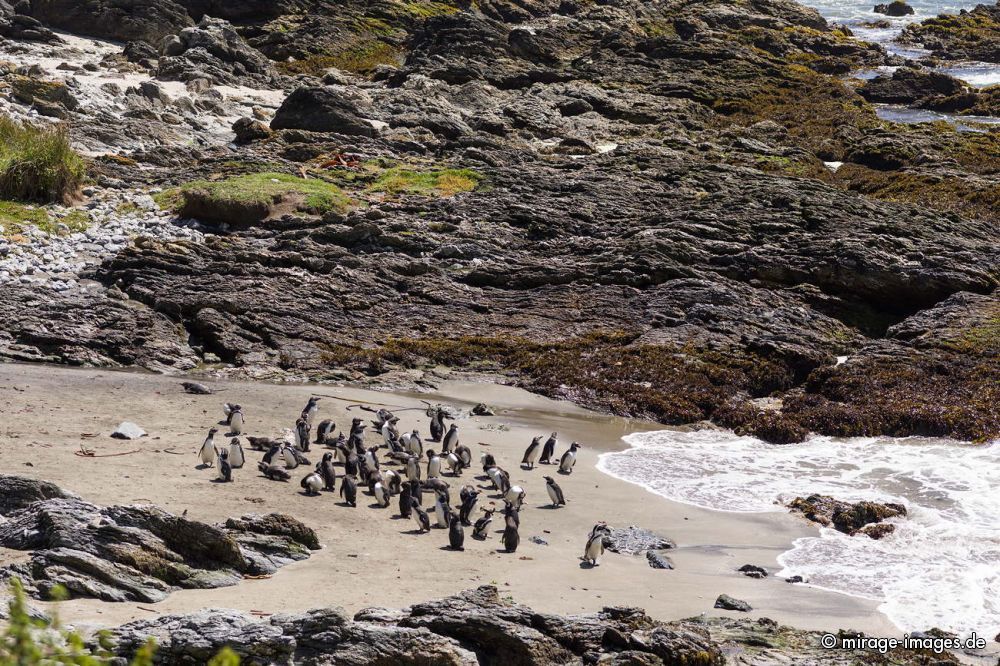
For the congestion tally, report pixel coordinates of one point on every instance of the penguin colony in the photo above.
(417, 483)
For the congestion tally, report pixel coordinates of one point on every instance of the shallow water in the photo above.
(940, 568)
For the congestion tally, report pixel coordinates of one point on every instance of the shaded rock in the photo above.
(894, 8)
(121, 20)
(128, 430)
(908, 85)
(727, 602)
(36, 91)
(214, 51)
(321, 110)
(968, 35)
(658, 561)
(17, 492)
(844, 516)
(248, 130)
(483, 410)
(795, 579)
(753, 571)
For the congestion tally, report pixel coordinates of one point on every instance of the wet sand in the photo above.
(370, 557)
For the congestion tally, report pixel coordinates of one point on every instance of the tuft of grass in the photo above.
(360, 57)
(439, 183)
(14, 216)
(37, 163)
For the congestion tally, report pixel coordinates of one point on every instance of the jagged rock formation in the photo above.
(137, 553)
(857, 518)
(477, 627)
(968, 35)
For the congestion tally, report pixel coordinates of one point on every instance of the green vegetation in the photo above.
(253, 197)
(438, 183)
(37, 164)
(423, 9)
(359, 57)
(14, 216)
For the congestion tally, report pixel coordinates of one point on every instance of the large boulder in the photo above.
(215, 52)
(850, 518)
(122, 20)
(908, 85)
(321, 109)
(895, 8)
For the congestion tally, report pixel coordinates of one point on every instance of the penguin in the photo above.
(416, 444)
(351, 463)
(273, 451)
(381, 495)
(568, 459)
(273, 472)
(309, 412)
(312, 483)
(393, 481)
(328, 472)
(465, 455)
(349, 490)
(302, 434)
(236, 457)
(456, 535)
(488, 461)
(324, 431)
(291, 461)
(469, 496)
(389, 432)
(595, 543)
(549, 449)
(375, 477)
(437, 424)
(497, 477)
(450, 440)
(515, 495)
(405, 501)
(511, 514)
(510, 538)
(555, 492)
(404, 441)
(225, 470)
(235, 420)
(260, 443)
(412, 468)
(442, 510)
(417, 492)
(341, 451)
(371, 457)
(531, 453)
(454, 463)
(439, 486)
(433, 464)
(420, 518)
(481, 530)
(207, 451)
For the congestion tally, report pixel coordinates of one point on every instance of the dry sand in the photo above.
(370, 557)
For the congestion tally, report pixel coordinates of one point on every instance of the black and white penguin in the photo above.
(421, 518)
(405, 502)
(349, 490)
(235, 419)
(302, 429)
(373, 478)
(454, 463)
(456, 534)
(468, 496)
(511, 513)
(433, 464)
(481, 530)
(389, 432)
(351, 463)
(371, 457)
(381, 494)
(236, 456)
(288, 454)
(510, 538)
(442, 510)
(437, 424)
(328, 472)
(488, 461)
(416, 445)
(417, 492)
(555, 492)
(272, 452)
(531, 453)
(465, 455)
(393, 481)
(549, 449)
(341, 452)
(207, 450)
(450, 440)
(595, 543)
(412, 468)
(515, 495)
(273, 472)
(310, 410)
(568, 459)
(324, 431)
(438, 486)
(312, 483)
(225, 470)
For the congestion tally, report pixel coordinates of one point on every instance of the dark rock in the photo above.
(908, 85)
(795, 579)
(17, 492)
(482, 410)
(726, 602)
(38, 92)
(846, 517)
(753, 571)
(248, 130)
(321, 110)
(122, 20)
(658, 561)
(894, 8)
(138, 51)
(969, 35)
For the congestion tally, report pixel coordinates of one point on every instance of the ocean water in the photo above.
(940, 568)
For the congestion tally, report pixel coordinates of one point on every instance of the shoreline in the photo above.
(369, 559)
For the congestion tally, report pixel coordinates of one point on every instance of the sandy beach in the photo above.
(369, 556)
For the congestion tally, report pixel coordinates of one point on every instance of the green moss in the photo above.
(15, 216)
(37, 163)
(359, 57)
(427, 8)
(657, 27)
(169, 199)
(262, 190)
(438, 183)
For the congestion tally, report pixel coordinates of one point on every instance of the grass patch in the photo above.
(253, 197)
(424, 9)
(16, 216)
(37, 163)
(363, 56)
(439, 183)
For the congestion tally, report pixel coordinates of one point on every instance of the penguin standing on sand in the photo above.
(437, 424)
(405, 501)
(510, 538)
(442, 510)
(454, 463)
(555, 492)
(393, 481)
(381, 494)
(235, 419)
(236, 456)
(456, 534)
(433, 464)
(351, 463)
(310, 410)
(488, 461)
(469, 496)
(595, 543)
(412, 469)
(515, 495)
(302, 434)
(271, 453)
(324, 431)
(532, 452)
(225, 470)
(549, 449)
(328, 472)
(416, 492)
(481, 530)
(568, 459)
(420, 518)
(207, 450)
(312, 483)
(291, 460)
(450, 440)
(464, 455)
(349, 490)
(389, 432)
